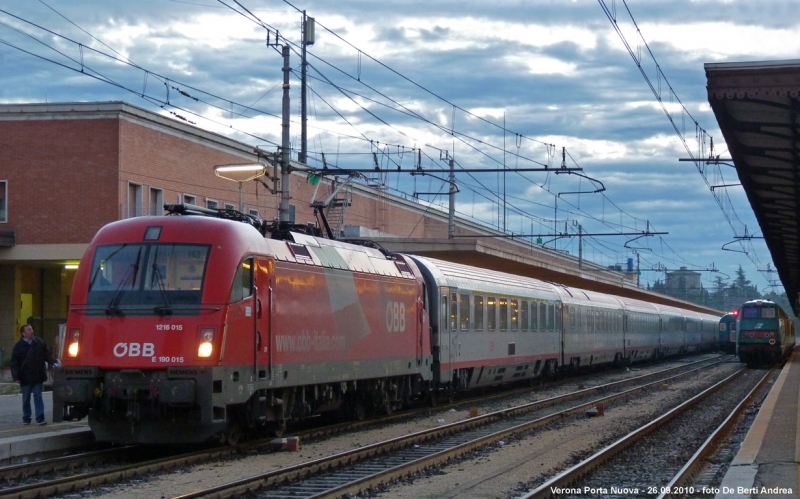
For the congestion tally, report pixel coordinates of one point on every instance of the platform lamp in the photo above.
(240, 172)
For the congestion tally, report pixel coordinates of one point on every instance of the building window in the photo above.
(189, 199)
(3, 203)
(229, 206)
(156, 201)
(134, 200)
(255, 213)
(211, 204)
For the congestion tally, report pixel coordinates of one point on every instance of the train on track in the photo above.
(197, 326)
(765, 333)
(727, 332)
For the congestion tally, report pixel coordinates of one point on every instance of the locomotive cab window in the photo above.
(147, 279)
(243, 281)
(767, 313)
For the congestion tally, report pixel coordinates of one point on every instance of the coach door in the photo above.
(447, 332)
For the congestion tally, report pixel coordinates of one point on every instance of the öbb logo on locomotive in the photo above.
(134, 349)
(395, 317)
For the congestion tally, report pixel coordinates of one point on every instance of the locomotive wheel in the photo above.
(359, 410)
(232, 434)
(387, 405)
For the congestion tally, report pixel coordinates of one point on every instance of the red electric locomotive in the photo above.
(183, 328)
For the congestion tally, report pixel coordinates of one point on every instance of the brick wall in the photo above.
(62, 174)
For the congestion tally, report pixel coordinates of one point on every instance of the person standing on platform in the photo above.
(29, 369)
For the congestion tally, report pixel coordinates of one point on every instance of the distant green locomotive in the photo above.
(727, 332)
(765, 333)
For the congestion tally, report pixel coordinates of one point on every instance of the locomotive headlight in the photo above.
(74, 338)
(206, 339)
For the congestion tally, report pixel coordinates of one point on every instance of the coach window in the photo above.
(453, 312)
(534, 316)
(463, 305)
(491, 313)
(523, 315)
(503, 314)
(443, 313)
(243, 281)
(477, 302)
(557, 314)
(514, 314)
(542, 316)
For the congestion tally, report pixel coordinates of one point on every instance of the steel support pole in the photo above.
(451, 216)
(283, 209)
(303, 109)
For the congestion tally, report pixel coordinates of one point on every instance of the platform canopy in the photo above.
(757, 107)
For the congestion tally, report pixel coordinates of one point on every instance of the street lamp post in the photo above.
(240, 172)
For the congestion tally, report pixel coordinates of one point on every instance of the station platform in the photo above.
(20, 443)
(768, 462)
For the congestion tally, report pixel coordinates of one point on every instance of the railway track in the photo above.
(597, 474)
(81, 481)
(371, 467)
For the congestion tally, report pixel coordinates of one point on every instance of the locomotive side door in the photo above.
(239, 344)
(263, 307)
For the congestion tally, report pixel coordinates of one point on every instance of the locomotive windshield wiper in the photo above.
(133, 271)
(158, 279)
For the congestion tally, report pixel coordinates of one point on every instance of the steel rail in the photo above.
(694, 464)
(335, 462)
(569, 476)
(92, 479)
(72, 461)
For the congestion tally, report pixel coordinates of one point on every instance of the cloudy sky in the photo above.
(492, 84)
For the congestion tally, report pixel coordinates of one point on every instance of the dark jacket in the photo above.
(28, 362)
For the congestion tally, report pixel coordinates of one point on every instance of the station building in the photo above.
(67, 169)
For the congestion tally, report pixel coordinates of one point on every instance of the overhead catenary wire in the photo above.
(160, 102)
(722, 199)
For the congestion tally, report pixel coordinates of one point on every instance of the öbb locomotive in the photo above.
(188, 328)
(765, 333)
